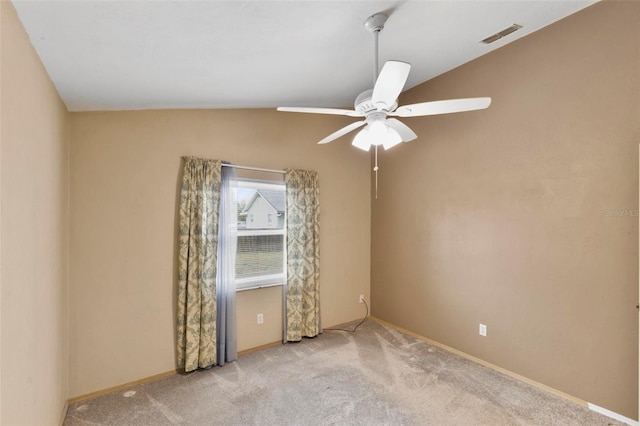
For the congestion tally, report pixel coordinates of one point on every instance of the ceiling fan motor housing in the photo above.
(364, 105)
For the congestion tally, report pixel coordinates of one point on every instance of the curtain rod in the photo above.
(257, 169)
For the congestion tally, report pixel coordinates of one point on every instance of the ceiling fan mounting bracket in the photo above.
(375, 23)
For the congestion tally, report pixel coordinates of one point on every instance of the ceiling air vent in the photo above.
(503, 33)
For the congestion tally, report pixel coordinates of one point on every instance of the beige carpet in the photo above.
(376, 376)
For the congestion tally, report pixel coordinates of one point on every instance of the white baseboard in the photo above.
(612, 415)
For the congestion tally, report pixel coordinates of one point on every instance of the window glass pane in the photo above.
(261, 233)
(261, 206)
(244, 195)
(259, 255)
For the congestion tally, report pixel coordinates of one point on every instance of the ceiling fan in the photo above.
(379, 105)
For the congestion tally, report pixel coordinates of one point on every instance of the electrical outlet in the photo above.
(482, 330)
(361, 300)
(260, 319)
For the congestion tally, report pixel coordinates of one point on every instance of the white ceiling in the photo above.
(109, 55)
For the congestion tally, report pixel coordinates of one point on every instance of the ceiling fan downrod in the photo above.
(375, 24)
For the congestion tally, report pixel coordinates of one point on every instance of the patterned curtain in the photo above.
(197, 261)
(303, 255)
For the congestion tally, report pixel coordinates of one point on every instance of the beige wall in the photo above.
(124, 180)
(497, 217)
(34, 223)
(266, 301)
(500, 216)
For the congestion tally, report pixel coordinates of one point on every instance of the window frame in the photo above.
(270, 280)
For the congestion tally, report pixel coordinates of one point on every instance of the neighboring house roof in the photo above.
(275, 198)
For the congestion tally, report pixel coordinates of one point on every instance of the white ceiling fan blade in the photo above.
(335, 135)
(442, 107)
(332, 111)
(403, 130)
(390, 83)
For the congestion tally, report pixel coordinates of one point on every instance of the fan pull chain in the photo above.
(375, 169)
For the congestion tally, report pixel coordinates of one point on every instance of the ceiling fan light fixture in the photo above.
(393, 138)
(361, 140)
(377, 133)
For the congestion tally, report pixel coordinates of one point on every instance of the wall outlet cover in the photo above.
(482, 330)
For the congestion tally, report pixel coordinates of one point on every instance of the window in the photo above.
(260, 256)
